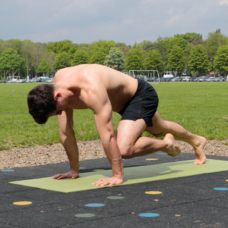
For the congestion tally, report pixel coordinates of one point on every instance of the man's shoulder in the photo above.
(66, 74)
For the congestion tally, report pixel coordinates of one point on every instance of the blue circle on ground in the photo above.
(7, 170)
(94, 205)
(221, 189)
(149, 215)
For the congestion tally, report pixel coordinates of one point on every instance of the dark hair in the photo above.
(41, 102)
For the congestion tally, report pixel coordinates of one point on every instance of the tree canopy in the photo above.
(221, 59)
(153, 61)
(199, 59)
(134, 60)
(115, 59)
(44, 67)
(98, 57)
(80, 57)
(62, 60)
(176, 59)
(11, 61)
(176, 53)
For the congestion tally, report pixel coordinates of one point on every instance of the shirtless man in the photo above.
(104, 90)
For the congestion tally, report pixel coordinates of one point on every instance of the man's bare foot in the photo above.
(172, 148)
(200, 156)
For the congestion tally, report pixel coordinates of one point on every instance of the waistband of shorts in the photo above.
(141, 85)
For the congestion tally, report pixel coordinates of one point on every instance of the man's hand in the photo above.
(72, 174)
(108, 181)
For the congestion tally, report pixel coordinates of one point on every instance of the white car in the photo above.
(50, 80)
(186, 79)
(12, 80)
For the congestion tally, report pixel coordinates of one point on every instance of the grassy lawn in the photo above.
(199, 107)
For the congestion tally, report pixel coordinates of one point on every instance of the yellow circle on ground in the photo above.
(22, 203)
(96, 170)
(153, 193)
(227, 180)
(151, 159)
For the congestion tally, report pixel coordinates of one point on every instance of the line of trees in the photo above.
(182, 53)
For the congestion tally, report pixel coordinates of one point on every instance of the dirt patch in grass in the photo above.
(41, 155)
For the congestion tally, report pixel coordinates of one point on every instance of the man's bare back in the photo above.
(120, 87)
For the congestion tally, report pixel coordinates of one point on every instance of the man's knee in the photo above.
(126, 150)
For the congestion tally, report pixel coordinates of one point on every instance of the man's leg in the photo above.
(132, 144)
(161, 128)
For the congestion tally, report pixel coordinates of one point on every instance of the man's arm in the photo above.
(103, 119)
(67, 137)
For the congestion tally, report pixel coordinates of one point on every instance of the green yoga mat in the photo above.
(133, 175)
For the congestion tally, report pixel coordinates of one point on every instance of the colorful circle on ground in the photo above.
(149, 215)
(85, 215)
(151, 159)
(7, 170)
(221, 189)
(153, 193)
(227, 180)
(115, 197)
(94, 205)
(97, 170)
(22, 203)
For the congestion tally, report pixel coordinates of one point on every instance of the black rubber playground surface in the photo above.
(180, 202)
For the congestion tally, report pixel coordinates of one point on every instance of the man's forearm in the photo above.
(113, 155)
(71, 148)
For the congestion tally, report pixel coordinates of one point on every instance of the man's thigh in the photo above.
(128, 131)
(159, 126)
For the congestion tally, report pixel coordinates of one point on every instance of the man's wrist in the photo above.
(117, 168)
(74, 168)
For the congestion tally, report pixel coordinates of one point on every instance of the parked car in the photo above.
(150, 79)
(145, 78)
(50, 80)
(195, 79)
(167, 77)
(176, 79)
(210, 79)
(21, 81)
(202, 78)
(35, 80)
(140, 77)
(12, 80)
(220, 79)
(186, 79)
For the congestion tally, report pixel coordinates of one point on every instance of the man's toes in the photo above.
(198, 162)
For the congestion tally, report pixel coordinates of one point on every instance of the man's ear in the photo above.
(57, 95)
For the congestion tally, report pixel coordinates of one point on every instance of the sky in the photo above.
(125, 21)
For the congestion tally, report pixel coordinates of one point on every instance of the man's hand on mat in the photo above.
(108, 181)
(72, 174)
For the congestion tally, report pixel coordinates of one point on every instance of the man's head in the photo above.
(41, 102)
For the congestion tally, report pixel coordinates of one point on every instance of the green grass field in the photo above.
(199, 107)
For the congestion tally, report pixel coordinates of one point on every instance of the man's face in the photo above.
(60, 106)
(55, 113)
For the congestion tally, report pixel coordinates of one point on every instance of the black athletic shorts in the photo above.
(143, 104)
